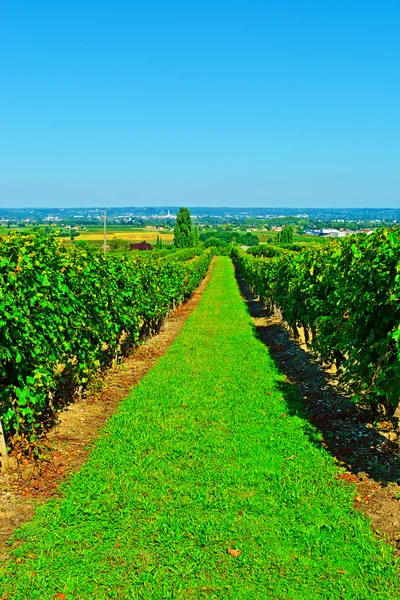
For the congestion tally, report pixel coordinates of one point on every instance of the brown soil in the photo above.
(368, 451)
(67, 445)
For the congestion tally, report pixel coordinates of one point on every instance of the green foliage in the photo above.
(286, 235)
(265, 250)
(346, 296)
(212, 449)
(215, 241)
(295, 247)
(221, 248)
(196, 237)
(243, 239)
(159, 243)
(118, 244)
(82, 244)
(183, 237)
(65, 313)
(183, 254)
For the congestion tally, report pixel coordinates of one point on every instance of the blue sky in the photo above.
(289, 103)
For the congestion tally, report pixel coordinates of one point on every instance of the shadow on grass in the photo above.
(312, 393)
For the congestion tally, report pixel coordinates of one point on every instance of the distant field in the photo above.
(131, 234)
(95, 233)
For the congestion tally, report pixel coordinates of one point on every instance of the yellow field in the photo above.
(140, 236)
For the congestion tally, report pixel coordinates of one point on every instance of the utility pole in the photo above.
(3, 452)
(105, 231)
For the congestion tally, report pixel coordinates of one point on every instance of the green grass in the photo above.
(211, 450)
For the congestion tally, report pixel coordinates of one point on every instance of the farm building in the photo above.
(140, 246)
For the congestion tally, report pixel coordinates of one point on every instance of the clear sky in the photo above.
(283, 103)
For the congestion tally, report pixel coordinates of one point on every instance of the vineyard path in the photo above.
(208, 482)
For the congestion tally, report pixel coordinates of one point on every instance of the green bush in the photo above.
(119, 244)
(267, 251)
(243, 239)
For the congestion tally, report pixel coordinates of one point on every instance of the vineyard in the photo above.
(344, 298)
(66, 313)
(210, 480)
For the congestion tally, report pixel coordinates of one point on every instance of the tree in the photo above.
(250, 239)
(183, 237)
(159, 243)
(196, 237)
(222, 247)
(118, 244)
(286, 235)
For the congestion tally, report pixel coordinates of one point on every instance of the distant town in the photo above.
(329, 222)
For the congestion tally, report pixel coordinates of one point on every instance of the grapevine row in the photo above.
(346, 297)
(66, 313)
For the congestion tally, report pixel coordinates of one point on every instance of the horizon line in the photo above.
(169, 206)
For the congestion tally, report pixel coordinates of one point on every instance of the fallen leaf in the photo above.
(233, 552)
(60, 596)
(290, 457)
(358, 499)
(348, 476)
(341, 571)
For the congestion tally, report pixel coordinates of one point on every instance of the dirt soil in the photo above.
(67, 445)
(367, 450)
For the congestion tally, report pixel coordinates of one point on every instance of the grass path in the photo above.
(204, 455)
